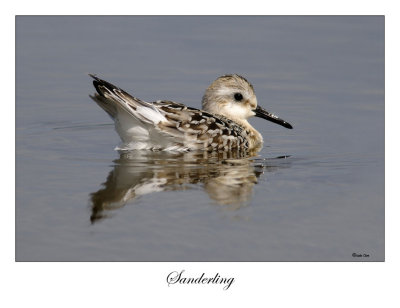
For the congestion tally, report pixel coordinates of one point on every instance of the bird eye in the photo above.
(238, 97)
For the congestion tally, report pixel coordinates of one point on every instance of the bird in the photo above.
(221, 125)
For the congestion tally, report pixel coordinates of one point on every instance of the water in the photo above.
(314, 193)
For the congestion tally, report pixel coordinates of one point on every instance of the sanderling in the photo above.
(165, 125)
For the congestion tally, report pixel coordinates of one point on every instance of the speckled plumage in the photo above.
(167, 125)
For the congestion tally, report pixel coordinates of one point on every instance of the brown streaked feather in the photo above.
(204, 129)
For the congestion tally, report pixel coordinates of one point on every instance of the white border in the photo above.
(137, 284)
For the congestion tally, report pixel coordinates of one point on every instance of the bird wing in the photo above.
(200, 129)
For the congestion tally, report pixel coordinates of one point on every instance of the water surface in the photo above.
(314, 193)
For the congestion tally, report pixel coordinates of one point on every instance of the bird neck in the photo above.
(255, 137)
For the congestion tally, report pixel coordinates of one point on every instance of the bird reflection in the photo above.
(227, 177)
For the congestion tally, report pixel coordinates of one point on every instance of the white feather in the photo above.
(151, 114)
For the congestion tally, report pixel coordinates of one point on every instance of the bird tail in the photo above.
(144, 111)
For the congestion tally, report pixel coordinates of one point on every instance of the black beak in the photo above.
(262, 113)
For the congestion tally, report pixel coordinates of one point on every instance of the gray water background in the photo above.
(323, 202)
